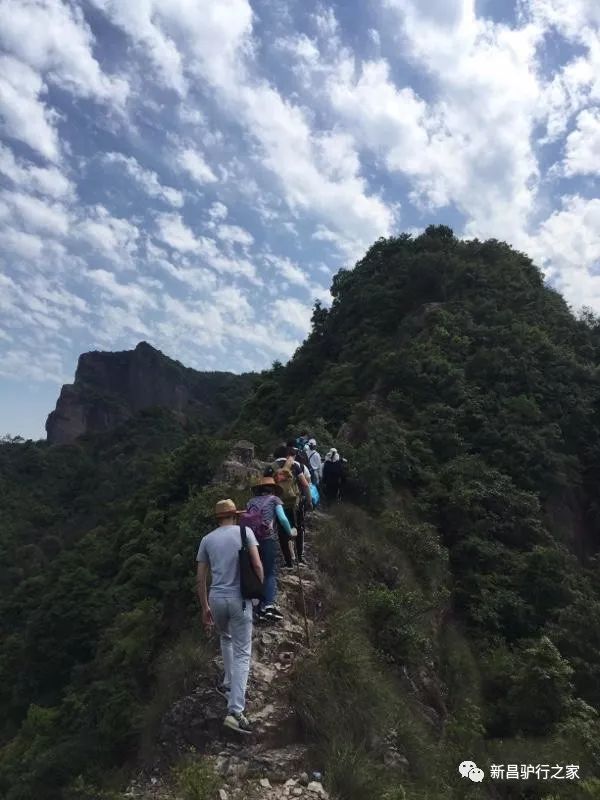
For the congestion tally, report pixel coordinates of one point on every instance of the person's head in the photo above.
(291, 447)
(267, 486)
(281, 452)
(312, 443)
(226, 512)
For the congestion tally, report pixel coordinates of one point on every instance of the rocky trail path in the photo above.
(272, 763)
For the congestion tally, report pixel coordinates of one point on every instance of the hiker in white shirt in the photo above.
(315, 463)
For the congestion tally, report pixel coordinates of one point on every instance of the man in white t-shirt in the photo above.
(225, 607)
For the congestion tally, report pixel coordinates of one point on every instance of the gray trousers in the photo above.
(234, 626)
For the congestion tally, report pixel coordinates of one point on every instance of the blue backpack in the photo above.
(314, 493)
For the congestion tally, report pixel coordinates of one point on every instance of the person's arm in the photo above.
(256, 562)
(303, 483)
(201, 589)
(282, 519)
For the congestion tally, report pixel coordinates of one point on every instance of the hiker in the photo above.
(302, 441)
(300, 455)
(225, 607)
(267, 506)
(305, 502)
(332, 479)
(289, 473)
(314, 462)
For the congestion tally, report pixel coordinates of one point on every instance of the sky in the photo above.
(193, 172)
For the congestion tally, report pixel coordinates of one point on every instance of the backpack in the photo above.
(251, 586)
(302, 458)
(253, 518)
(287, 478)
(315, 496)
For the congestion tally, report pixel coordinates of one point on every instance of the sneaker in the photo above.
(223, 690)
(302, 562)
(259, 615)
(237, 722)
(289, 567)
(272, 612)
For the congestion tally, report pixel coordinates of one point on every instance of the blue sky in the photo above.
(193, 173)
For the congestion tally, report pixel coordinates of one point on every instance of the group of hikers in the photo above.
(248, 541)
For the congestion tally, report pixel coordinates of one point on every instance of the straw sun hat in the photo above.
(226, 508)
(270, 482)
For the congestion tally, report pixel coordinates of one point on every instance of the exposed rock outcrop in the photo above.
(241, 468)
(109, 388)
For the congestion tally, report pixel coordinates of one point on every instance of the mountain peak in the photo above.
(110, 387)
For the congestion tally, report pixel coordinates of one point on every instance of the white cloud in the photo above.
(235, 235)
(295, 155)
(568, 245)
(40, 305)
(214, 40)
(26, 363)
(114, 323)
(288, 270)
(217, 212)
(173, 231)
(582, 151)
(471, 145)
(41, 216)
(293, 313)
(22, 114)
(113, 237)
(146, 179)
(325, 22)
(21, 244)
(48, 181)
(131, 294)
(575, 84)
(52, 292)
(223, 317)
(53, 38)
(571, 17)
(192, 162)
(208, 33)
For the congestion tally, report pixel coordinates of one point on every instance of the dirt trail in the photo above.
(273, 762)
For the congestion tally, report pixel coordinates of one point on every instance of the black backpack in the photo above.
(250, 584)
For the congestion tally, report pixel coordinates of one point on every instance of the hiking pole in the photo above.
(303, 596)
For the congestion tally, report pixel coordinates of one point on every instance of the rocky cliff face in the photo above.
(110, 387)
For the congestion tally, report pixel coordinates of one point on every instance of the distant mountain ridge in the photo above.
(110, 387)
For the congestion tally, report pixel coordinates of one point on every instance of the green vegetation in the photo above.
(195, 779)
(462, 584)
(97, 597)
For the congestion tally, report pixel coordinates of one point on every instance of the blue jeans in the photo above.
(267, 549)
(233, 621)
